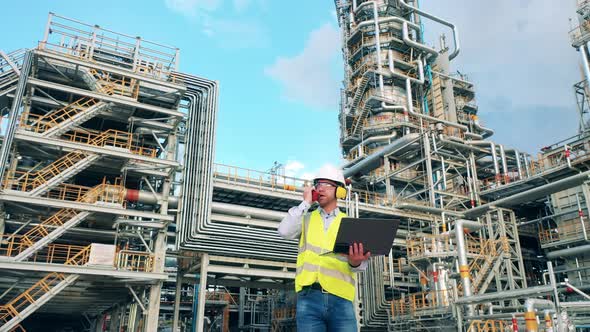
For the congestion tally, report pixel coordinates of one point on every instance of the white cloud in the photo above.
(298, 170)
(307, 176)
(307, 77)
(518, 52)
(293, 167)
(519, 55)
(193, 7)
(235, 34)
(210, 15)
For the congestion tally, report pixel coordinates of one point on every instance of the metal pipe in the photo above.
(406, 38)
(410, 109)
(373, 139)
(462, 257)
(581, 215)
(441, 21)
(530, 316)
(524, 223)
(572, 287)
(579, 250)
(487, 132)
(419, 65)
(553, 283)
(531, 194)
(372, 161)
(518, 165)
(427, 209)
(504, 164)
(585, 62)
(137, 300)
(492, 150)
(505, 295)
(377, 39)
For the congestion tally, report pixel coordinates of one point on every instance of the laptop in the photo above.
(376, 235)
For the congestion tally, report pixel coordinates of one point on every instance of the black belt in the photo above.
(315, 286)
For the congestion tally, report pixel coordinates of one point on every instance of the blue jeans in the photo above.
(322, 312)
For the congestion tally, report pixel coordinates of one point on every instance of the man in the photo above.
(325, 282)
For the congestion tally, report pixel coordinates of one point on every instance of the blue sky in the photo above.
(279, 66)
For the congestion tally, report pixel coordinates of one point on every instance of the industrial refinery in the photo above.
(114, 215)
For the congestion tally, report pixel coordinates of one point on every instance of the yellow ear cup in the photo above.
(341, 193)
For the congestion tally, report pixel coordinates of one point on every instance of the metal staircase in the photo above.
(23, 305)
(356, 103)
(485, 263)
(481, 268)
(59, 223)
(61, 120)
(105, 83)
(358, 120)
(72, 115)
(360, 91)
(36, 183)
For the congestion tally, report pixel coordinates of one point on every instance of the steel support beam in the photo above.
(85, 270)
(114, 98)
(16, 196)
(107, 151)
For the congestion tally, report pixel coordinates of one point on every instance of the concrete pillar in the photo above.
(115, 319)
(242, 306)
(202, 293)
(160, 244)
(99, 323)
(176, 321)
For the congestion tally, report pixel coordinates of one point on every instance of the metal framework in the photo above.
(113, 213)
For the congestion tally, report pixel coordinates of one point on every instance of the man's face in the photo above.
(326, 191)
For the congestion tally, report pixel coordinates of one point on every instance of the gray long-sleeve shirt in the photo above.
(290, 226)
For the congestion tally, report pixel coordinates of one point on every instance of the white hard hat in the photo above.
(330, 172)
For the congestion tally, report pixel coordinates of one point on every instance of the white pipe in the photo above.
(503, 156)
(372, 161)
(375, 138)
(585, 63)
(532, 194)
(518, 165)
(410, 109)
(530, 316)
(531, 304)
(462, 257)
(487, 131)
(384, 20)
(492, 150)
(377, 39)
(419, 64)
(581, 214)
(579, 250)
(406, 37)
(567, 284)
(441, 21)
(420, 115)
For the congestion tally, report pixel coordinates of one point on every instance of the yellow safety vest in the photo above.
(332, 271)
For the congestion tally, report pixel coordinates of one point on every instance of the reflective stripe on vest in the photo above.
(316, 264)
